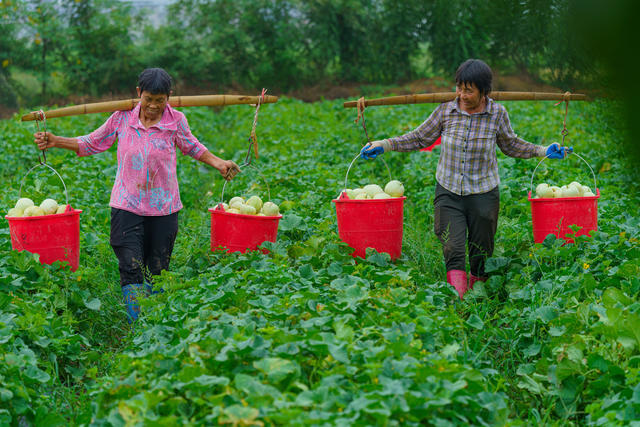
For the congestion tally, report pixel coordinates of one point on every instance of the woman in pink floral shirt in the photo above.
(145, 198)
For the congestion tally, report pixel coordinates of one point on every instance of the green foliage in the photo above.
(303, 335)
(98, 47)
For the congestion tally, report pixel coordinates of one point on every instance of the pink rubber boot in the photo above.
(473, 279)
(458, 279)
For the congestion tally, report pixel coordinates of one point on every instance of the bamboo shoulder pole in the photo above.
(439, 97)
(174, 101)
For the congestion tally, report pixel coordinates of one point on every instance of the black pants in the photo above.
(461, 221)
(143, 244)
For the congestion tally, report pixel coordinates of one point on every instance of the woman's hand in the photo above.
(228, 169)
(44, 140)
(374, 149)
(556, 151)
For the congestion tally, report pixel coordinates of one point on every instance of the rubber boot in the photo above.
(458, 279)
(130, 294)
(473, 279)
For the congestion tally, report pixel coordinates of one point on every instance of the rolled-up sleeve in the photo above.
(513, 146)
(186, 142)
(102, 138)
(423, 136)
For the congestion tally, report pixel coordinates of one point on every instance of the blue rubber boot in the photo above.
(130, 294)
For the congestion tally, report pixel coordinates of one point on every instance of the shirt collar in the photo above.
(168, 121)
(489, 108)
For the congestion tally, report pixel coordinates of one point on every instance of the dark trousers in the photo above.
(143, 244)
(461, 221)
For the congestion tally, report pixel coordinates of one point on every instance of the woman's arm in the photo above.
(228, 169)
(423, 136)
(48, 140)
(513, 146)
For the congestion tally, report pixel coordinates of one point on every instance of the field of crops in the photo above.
(305, 336)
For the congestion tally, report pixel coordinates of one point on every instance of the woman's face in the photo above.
(152, 105)
(470, 98)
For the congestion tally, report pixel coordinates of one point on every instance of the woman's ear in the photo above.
(138, 90)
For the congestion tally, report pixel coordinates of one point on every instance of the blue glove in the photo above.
(555, 151)
(369, 152)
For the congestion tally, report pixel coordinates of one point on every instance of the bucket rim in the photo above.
(553, 199)
(30, 218)
(391, 199)
(257, 217)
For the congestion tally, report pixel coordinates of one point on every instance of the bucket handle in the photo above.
(351, 164)
(595, 186)
(66, 194)
(261, 176)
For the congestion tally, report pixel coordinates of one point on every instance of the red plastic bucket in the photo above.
(240, 233)
(372, 223)
(53, 237)
(554, 216)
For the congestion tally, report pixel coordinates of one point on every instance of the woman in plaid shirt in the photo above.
(467, 198)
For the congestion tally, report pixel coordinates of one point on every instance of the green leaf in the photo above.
(529, 384)
(546, 313)
(450, 350)
(275, 368)
(290, 221)
(37, 374)
(532, 350)
(475, 322)
(495, 264)
(557, 331)
(381, 259)
(93, 304)
(353, 295)
(613, 296)
(209, 380)
(239, 415)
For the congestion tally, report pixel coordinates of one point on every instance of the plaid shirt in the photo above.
(468, 163)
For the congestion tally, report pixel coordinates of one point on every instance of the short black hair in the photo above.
(476, 72)
(155, 81)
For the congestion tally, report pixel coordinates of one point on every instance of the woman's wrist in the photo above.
(212, 160)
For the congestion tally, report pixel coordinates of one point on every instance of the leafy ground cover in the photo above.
(304, 335)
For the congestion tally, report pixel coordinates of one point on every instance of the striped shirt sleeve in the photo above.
(513, 146)
(423, 136)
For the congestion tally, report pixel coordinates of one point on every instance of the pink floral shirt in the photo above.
(146, 182)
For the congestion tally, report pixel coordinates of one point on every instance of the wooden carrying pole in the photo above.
(174, 101)
(439, 97)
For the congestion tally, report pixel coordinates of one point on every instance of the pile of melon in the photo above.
(575, 189)
(374, 191)
(26, 207)
(252, 206)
